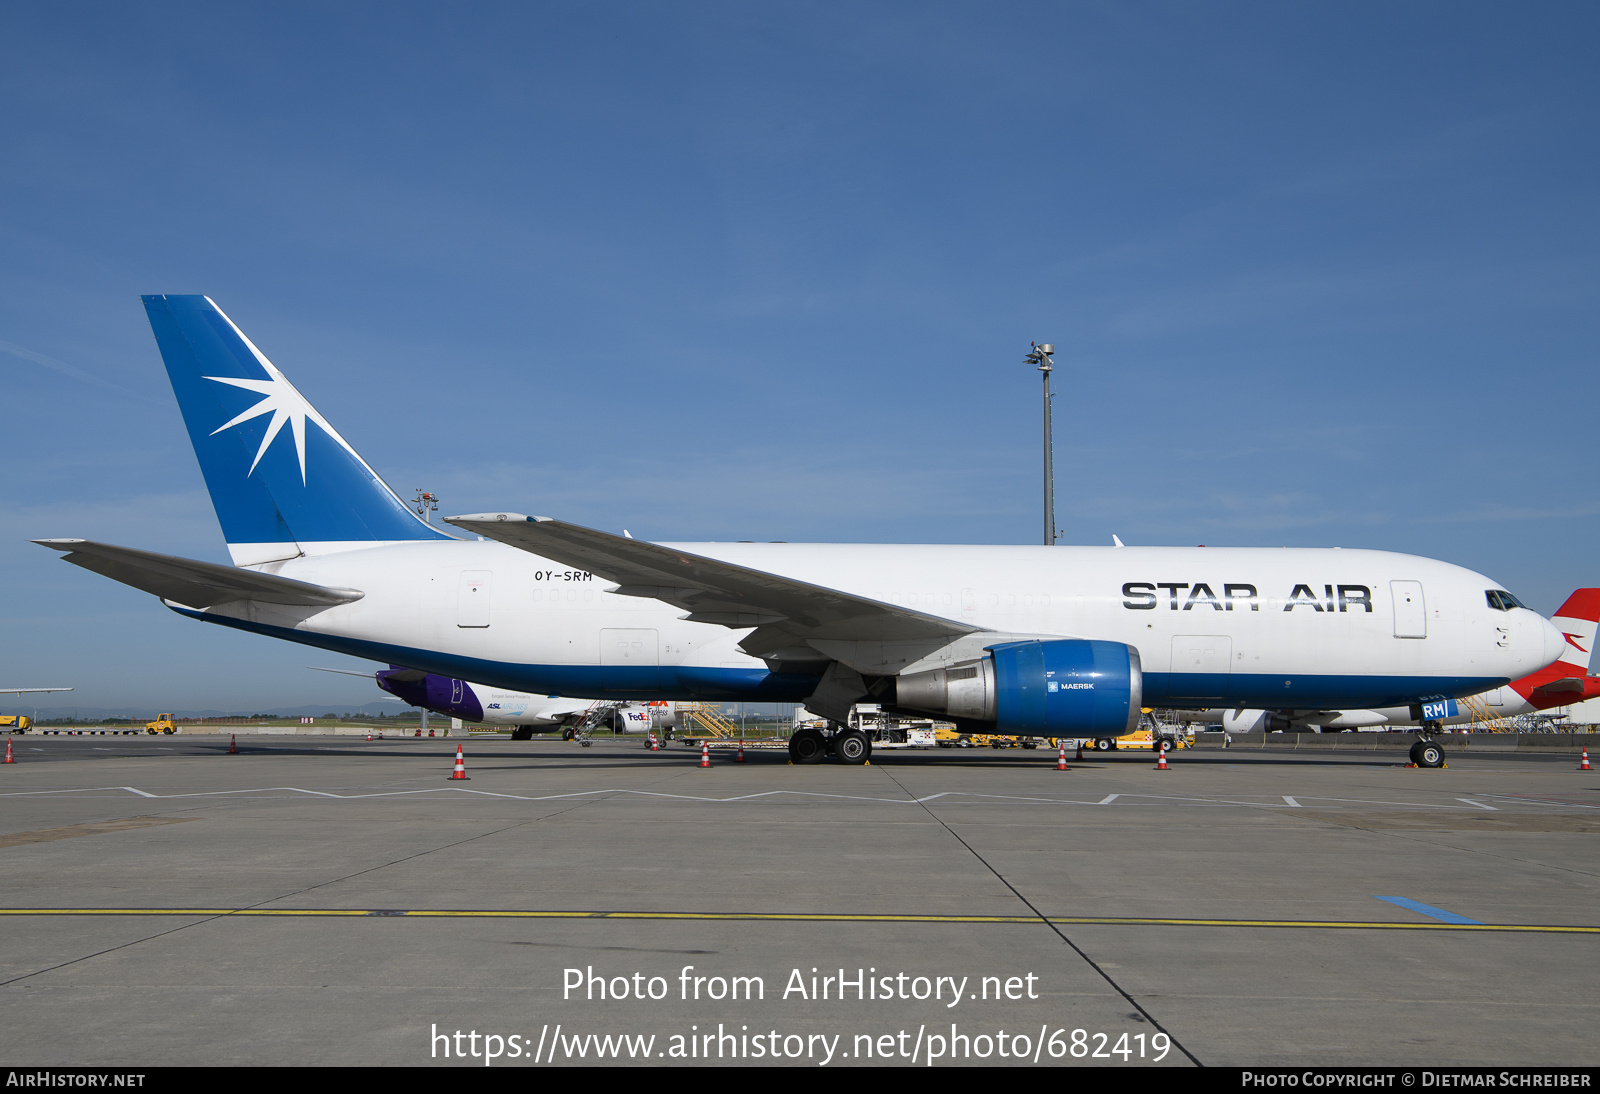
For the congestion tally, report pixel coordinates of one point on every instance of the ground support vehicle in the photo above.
(1169, 738)
(162, 724)
(16, 723)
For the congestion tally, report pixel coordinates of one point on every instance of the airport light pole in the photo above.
(1041, 355)
(425, 503)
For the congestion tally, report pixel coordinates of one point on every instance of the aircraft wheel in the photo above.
(852, 747)
(808, 746)
(1427, 754)
(568, 733)
(1030, 743)
(522, 733)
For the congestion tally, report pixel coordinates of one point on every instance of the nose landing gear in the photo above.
(1426, 752)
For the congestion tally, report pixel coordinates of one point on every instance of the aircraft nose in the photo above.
(1554, 643)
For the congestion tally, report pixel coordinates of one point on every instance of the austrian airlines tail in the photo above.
(236, 406)
(1567, 680)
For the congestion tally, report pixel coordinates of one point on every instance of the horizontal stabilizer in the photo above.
(711, 590)
(192, 583)
(1567, 685)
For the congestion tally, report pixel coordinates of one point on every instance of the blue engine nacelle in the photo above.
(1066, 687)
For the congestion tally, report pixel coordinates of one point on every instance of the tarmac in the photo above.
(322, 900)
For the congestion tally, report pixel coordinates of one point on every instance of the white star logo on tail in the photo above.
(285, 404)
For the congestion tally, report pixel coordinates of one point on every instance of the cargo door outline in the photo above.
(1202, 665)
(1410, 609)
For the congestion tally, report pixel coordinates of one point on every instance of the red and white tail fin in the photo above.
(1578, 619)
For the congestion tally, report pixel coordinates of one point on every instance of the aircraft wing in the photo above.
(189, 582)
(28, 691)
(785, 612)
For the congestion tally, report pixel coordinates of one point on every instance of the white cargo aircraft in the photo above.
(1036, 641)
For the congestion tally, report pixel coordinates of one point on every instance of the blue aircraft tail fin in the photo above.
(281, 478)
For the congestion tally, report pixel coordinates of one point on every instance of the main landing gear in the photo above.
(811, 745)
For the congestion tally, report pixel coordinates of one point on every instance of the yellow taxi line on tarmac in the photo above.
(803, 917)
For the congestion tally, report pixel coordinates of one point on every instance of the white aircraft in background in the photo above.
(526, 714)
(20, 723)
(1564, 682)
(1030, 641)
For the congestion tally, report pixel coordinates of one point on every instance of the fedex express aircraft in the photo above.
(1042, 641)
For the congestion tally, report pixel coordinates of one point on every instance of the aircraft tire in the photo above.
(522, 733)
(1427, 754)
(568, 733)
(808, 746)
(852, 747)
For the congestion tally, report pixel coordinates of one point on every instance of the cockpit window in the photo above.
(1502, 601)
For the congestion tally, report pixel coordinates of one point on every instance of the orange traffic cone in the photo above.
(1061, 757)
(705, 753)
(1583, 765)
(1161, 759)
(369, 734)
(8, 758)
(233, 744)
(655, 746)
(739, 759)
(1080, 750)
(461, 766)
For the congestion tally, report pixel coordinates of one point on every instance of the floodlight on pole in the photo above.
(1041, 355)
(425, 503)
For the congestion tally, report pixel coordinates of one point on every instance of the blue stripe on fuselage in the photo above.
(758, 685)
(1302, 692)
(573, 681)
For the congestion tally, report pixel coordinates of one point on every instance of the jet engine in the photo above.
(1245, 720)
(1067, 687)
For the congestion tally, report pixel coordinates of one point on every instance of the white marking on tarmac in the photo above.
(956, 797)
(1521, 800)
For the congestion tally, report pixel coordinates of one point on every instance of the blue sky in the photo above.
(1317, 275)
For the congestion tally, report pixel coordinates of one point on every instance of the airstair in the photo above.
(709, 718)
(598, 716)
(1485, 719)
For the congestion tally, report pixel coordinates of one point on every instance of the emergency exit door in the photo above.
(472, 598)
(1410, 610)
